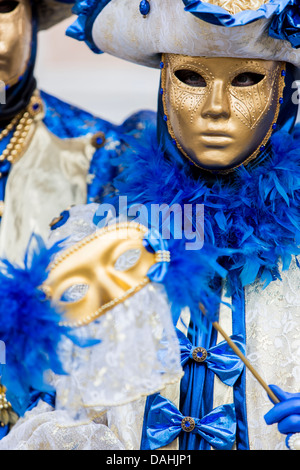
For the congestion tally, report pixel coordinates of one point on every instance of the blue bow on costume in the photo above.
(164, 424)
(153, 241)
(220, 359)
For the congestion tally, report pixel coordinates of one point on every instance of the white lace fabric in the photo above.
(138, 355)
(273, 348)
(43, 428)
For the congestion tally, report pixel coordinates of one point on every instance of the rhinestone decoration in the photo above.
(188, 424)
(199, 354)
(144, 8)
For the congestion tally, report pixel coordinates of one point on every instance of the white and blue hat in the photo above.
(141, 30)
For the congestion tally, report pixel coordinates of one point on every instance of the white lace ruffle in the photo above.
(43, 428)
(78, 226)
(138, 355)
(273, 348)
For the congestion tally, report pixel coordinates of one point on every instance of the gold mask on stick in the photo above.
(221, 111)
(15, 39)
(112, 264)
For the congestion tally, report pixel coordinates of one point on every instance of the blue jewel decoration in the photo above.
(165, 118)
(280, 100)
(274, 126)
(161, 65)
(262, 148)
(161, 91)
(144, 7)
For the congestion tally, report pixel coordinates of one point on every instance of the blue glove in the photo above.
(286, 413)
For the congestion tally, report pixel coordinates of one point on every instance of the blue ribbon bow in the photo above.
(164, 420)
(153, 241)
(220, 358)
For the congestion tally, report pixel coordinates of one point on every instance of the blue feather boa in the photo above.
(251, 222)
(29, 326)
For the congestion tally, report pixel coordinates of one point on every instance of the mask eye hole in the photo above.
(190, 78)
(74, 293)
(247, 79)
(6, 6)
(127, 260)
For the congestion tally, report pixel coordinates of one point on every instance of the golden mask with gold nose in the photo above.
(221, 111)
(15, 39)
(110, 265)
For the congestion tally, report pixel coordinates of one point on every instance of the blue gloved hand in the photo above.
(286, 413)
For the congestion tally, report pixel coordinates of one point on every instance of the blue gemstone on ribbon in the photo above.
(164, 424)
(144, 7)
(220, 359)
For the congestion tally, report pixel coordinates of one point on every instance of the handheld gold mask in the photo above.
(221, 111)
(15, 39)
(112, 263)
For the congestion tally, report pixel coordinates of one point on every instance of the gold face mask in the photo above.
(221, 111)
(15, 39)
(112, 264)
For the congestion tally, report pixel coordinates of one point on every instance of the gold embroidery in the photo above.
(235, 6)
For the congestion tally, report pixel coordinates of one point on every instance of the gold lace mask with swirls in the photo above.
(109, 266)
(221, 111)
(15, 39)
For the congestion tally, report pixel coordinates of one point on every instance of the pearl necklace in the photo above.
(22, 125)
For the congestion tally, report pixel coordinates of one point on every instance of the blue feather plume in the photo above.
(29, 325)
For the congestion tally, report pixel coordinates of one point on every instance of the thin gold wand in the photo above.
(238, 352)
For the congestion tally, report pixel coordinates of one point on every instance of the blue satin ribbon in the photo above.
(239, 391)
(286, 26)
(219, 16)
(220, 358)
(164, 425)
(5, 167)
(154, 242)
(36, 396)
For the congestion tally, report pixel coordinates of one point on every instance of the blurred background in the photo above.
(106, 86)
